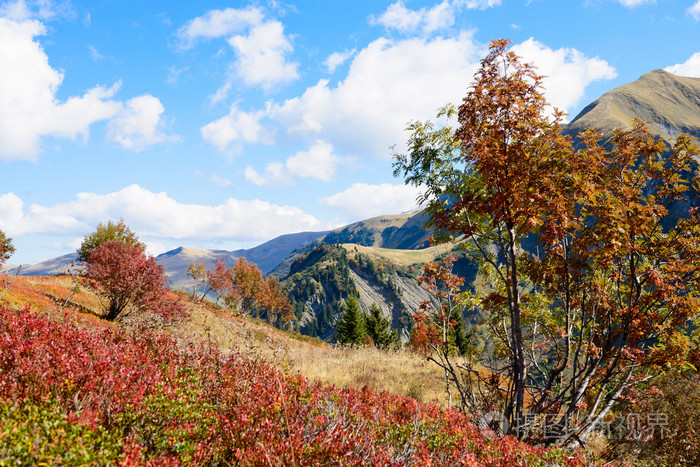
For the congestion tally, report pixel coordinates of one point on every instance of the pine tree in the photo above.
(457, 333)
(379, 328)
(351, 327)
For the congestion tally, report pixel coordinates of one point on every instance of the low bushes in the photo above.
(108, 396)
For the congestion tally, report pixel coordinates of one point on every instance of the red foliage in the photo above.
(126, 276)
(171, 404)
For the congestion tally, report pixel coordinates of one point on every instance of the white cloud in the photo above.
(29, 109)
(318, 162)
(694, 11)
(156, 215)
(139, 124)
(388, 84)
(262, 56)
(237, 127)
(174, 74)
(261, 47)
(392, 82)
(336, 59)
(690, 67)
(567, 71)
(361, 200)
(219, 23)
(427, 20)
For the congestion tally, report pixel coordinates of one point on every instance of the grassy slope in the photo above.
(401, 372)
(153, 426)
(402, 258)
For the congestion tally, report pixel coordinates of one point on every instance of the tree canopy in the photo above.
(118, 231)
(6, 247)
(583, 290)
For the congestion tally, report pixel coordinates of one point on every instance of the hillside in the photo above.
(78, 390)
(321, 280)
(670, 103)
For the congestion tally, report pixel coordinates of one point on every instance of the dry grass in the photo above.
(398, 372)
(400, 257)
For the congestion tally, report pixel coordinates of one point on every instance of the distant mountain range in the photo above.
(400, 231)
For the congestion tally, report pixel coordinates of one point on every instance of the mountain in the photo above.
(401, 231)
(320, 281)
(670, 103)
(265, 256)
(59, 265)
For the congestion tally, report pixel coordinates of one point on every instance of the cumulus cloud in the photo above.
(388, 84)
(694, 11)
(139, 124)
(156, 215)
(690, 67)
(262, 56)
(362, 200)
(567, 71)
(228, 132)
(318, 162)
(427, 20)
(260, 45)
(29, 109)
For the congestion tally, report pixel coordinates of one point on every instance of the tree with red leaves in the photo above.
(127, 278)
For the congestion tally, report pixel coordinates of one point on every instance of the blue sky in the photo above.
(224, 124)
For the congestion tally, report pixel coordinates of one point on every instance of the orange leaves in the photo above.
(244, 286)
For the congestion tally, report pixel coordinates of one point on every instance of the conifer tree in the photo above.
(351, 327)
(379, 328)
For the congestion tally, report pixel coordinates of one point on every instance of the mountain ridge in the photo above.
(669, 103)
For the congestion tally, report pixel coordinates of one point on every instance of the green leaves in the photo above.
(104, 233)
(6, 247)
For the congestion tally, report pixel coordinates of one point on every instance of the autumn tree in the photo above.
(244, 289)
(583, 289)
(126, 278)
(437, 333)
(198, 273)
(6, 248)
(351, 326)
(118, 231)
(379, 328)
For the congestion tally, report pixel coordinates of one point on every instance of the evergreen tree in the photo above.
(379, 328)
(457, 334)
(351, 327)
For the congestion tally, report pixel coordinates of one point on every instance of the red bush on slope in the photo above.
(128, 398)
